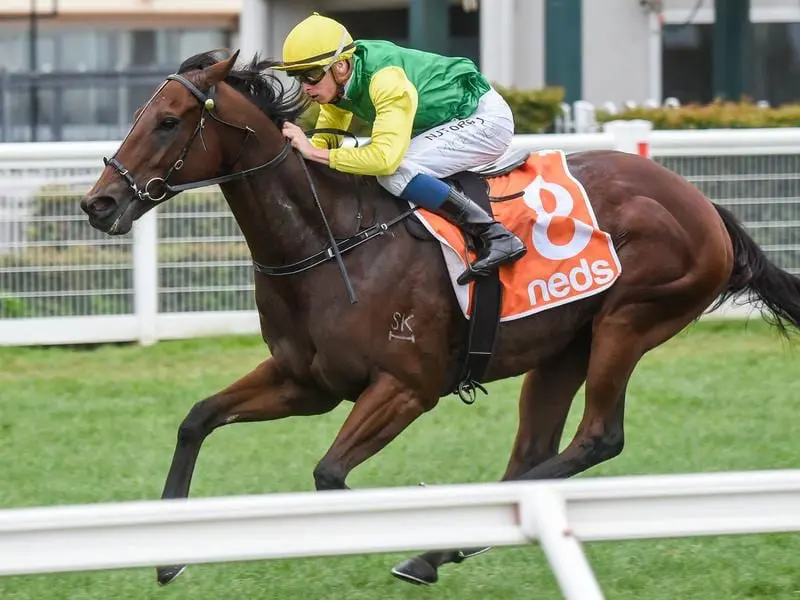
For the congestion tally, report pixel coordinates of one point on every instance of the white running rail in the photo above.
(558, 515)
(185, 270)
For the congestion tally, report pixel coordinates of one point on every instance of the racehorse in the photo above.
(212, 123)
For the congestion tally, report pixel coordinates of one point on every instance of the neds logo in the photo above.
(569, 277)
(579, 279)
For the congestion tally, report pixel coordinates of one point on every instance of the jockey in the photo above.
(431, 116)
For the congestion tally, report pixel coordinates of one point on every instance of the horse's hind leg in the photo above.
(262, 395)
(544, 403)
(620, 339)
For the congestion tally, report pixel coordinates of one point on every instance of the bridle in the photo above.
(207, 104)
(334, 250)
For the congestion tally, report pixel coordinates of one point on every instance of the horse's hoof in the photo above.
(167, 575)
(417, 571)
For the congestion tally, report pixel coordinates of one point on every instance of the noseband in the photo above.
(207, 104)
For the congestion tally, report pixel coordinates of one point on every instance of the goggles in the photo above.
(310, 76)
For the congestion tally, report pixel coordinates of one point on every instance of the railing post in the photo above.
(631, 136)
(544, 517)
(585, 117)
(145, 277)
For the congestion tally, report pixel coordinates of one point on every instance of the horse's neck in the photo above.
(277, 213)
(273, 211)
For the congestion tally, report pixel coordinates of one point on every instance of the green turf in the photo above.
(98, 425)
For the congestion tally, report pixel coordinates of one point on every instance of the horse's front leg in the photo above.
(380, 414)
(264, 394)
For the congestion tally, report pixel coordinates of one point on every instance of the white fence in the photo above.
(559, 515)
(185, 270)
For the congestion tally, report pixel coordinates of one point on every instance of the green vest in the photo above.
(447, 88)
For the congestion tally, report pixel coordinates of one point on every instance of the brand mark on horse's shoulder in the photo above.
(400, 329)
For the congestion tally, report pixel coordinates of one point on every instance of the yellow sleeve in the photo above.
(395, 101)
(334, 117)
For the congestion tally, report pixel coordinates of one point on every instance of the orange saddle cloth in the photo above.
(568, 256)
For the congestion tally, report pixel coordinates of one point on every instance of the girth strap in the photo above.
(328, 253)
(486, 301)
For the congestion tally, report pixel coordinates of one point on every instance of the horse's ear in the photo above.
(217, 72)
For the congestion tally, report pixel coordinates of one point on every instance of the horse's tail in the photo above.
(777, 290)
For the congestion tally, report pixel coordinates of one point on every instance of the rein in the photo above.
(345, 245)
(334, 250)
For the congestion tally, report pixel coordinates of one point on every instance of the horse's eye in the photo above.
(169, 123)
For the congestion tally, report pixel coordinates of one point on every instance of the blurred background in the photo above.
(76, 69)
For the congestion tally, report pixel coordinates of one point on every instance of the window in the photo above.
(13, 49)
(465, 33)
(386, 24)
(392, 25)
(776, 62)
(68, 49)
(190, 42)
(94, 101)
(687, 65)
(143, 48)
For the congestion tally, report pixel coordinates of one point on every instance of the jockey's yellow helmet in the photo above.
(316, 41)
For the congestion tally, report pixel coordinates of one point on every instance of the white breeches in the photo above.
(457, 145)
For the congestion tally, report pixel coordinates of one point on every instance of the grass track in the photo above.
(98, 425)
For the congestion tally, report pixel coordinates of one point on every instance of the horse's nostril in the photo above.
(98, 205)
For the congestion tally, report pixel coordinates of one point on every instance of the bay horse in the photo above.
(212, 123)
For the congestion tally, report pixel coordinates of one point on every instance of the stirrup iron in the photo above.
(467, 390)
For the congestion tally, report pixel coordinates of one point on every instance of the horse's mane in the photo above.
(266, 90)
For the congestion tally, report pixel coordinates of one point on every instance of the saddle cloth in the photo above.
(568, 256)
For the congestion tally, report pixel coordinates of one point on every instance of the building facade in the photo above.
(77, 69)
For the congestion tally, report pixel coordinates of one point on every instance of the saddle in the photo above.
(465, 375)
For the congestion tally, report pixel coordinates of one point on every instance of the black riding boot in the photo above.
(496, 244)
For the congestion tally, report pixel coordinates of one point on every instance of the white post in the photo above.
(253, 31)
(145, 277)
(544, 517)
(506, 40)
(497, 42)
(631, 136)
(585, 117)
(654, 57)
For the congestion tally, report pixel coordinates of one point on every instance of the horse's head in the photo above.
(169, 143)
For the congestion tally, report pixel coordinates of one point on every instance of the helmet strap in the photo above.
(336, 54)
(340, 83)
